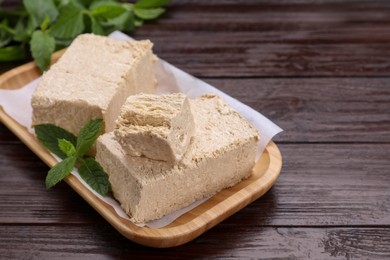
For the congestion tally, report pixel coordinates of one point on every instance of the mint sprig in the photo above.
(87, 136)
(42, 45)
(43, 26)
(70, 22)
(66, 147)
(49, 135)
(60, 171)
(93, 174)
(72, 149)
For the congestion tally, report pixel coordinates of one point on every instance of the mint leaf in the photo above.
(70, 22)
(63, 143)
(60, 171)
(66, 147)
(143, 4)
(49, 135)
(86, 3)
(24, 28)
(148, 14)
(64, 20)
(38, 9)
(5, 34)
(96, 28)
(108, 11)
(96, 3)
(45, 23)
(4, 38)
(87, 136)
(12, 53)
(124, 22)
(42, 46)
(62, 43)
(93, 174)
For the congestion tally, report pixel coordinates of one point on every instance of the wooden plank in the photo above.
(329, 184)
(255, 38)
(320, 184)
(101, 242)
(23, 178)
(312, 109)
(249, 38)
(319, 109)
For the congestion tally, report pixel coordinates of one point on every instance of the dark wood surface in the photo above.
(320, 69)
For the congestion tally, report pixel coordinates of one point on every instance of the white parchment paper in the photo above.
(17, 104)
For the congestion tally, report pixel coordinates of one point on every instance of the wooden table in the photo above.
(319, 69)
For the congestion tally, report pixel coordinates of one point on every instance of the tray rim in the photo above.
(185, 228)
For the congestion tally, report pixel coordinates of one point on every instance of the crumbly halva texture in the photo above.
(92, 81)
(157, 127)
(221, 154)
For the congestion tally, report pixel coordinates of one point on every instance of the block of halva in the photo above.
(157, 127)
(221, 154)
(92, 80)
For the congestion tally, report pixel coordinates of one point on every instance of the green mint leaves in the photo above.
(38, 9)
(72, 149)
(93, 174)
(43, 26)
(87, 136)
(66, 147)
(149, 4)
(42, 45)
(70, 23)
(60, 171)
(49, 135)
(148, 14)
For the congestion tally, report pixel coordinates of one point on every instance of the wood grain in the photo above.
(99, 242)
(319, 109)
(319, 68)
(330, 185)
(23, 176)
(267, 38)
(313, 109)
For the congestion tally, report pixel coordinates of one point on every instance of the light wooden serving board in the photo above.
(185, 228)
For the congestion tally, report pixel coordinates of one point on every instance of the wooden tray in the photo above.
(185, 228)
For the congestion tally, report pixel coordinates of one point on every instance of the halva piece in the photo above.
(157, 127)
(92, 80)
(221, 153)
